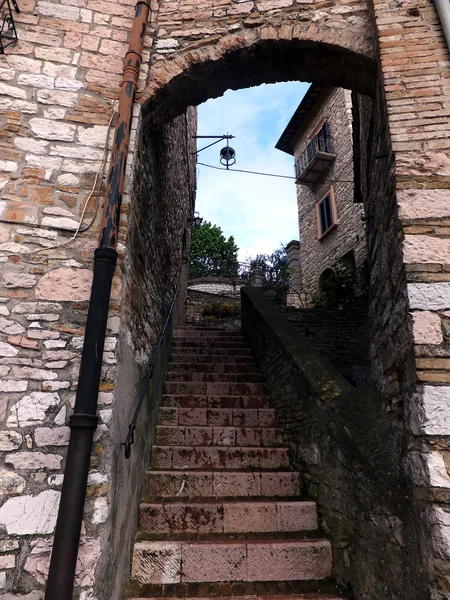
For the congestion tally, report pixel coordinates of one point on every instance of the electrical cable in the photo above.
(79, 229)
(271, 174)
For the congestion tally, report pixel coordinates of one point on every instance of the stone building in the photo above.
(59, 85)
(331, 227)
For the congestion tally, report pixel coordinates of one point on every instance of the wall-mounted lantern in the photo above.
(8, 33)
(196, 220)
(227, 154)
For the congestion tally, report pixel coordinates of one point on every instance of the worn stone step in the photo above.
(307, 596)
(182, 357)
(204, 342)
(325, 589)
(221, 484)
(215, 388)
(208, 350)
(185, 334)
(228, 401)
(206, 329)
(222, 377)
(180, 435)
(227, 516)
(211, 367)
(231, 560)
(217, 417)
(218, 457)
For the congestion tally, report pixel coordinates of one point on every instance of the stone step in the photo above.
(186, 376)
(208, 343)
(208, 335)
(231, 560)
(217, 417)
(178, 357)
(207, 328)
(218, 458)
(221, 484)
(211, 367)
(219, 351)
(324, 589)
(307, 596)
(179, 435)
(216, 388)
(227, 516)
(260, 401)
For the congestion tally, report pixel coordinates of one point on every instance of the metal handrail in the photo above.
(132, 426)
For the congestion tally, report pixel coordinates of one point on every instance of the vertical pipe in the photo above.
(83, 422)
(443, 8)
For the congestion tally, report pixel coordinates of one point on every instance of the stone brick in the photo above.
(427, 328)
(51, 130)
(28, 515)
(157, 562)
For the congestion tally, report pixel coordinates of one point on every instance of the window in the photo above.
(326, 214)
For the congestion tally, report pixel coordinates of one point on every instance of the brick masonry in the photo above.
(58, 86)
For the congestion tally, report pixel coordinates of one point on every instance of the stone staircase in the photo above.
(222, 515)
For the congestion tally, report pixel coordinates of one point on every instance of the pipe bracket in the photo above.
(83, 420)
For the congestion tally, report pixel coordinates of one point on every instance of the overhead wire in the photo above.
(270, 174)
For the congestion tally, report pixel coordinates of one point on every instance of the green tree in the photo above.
(274, 268)
(211, 253)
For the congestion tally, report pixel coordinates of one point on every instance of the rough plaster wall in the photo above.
(317, 255)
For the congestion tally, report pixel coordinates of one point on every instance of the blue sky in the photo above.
(260, 212)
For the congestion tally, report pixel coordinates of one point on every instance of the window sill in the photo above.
(330, 230)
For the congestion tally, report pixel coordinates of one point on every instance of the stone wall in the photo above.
(351, 455)
(341, 336)
(216, 285)
(317, 255)
(44, 297)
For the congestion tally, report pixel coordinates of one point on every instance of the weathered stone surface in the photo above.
(101, 511)
(19, 280)
(10, 440)
(423, 204)
(440, 523)
(7, 349)
(9, 385)
(10, 327)
(437, 471)
(425, 248)
(32, 409)
(93, 136)
(37, 307)
(34, 460)
(30, 515)
(38, 562)
(427, 328)
(11, 483)
(51, 130)
(51, 436)
(429, 296)
(65, 284)
(434, 413)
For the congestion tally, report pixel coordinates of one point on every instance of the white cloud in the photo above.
(260, 212)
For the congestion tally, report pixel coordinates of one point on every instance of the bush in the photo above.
(338, 290)
(220, 310)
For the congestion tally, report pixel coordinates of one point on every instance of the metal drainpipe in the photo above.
(443, 8)
(83, 421)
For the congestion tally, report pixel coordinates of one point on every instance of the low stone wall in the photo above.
(196, 301)
(351, 456)
(342, 336)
